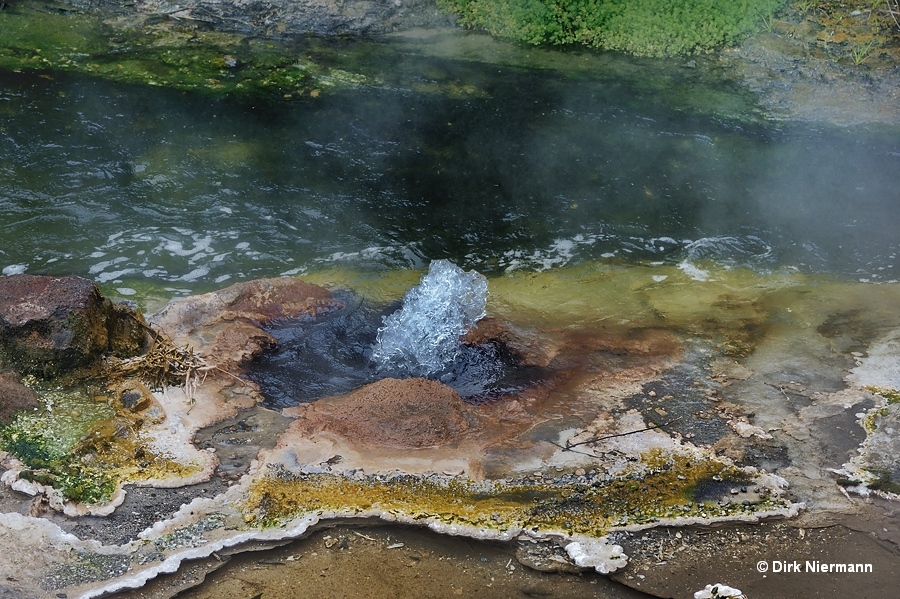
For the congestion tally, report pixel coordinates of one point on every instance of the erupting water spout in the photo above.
(422, 338)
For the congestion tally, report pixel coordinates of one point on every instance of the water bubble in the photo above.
(423, 337)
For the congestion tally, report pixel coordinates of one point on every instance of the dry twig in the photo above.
(569, 446)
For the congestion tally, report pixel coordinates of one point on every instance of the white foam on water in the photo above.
(197, 273)
(15, 269)
(102, 266)
(201, 244)
(729, 249)
(114, 275)
(394, 256)
(693, 271)
(560, 253)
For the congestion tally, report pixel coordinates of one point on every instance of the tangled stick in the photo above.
(164, 364)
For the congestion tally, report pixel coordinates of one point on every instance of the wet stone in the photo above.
(14, 397)
(678, 403)
(49, 325)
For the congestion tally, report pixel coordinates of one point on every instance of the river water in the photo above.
(457, 147)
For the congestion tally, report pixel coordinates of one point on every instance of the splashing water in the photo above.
(422, 337)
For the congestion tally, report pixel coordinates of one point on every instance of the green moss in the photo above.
(642, 27)
(39, 38)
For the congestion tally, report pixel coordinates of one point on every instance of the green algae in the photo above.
(83, 444)
(46, 441)
(50, 41)
(667, 486)
(892, 396)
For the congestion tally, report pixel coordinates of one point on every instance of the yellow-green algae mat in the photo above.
(585, 481)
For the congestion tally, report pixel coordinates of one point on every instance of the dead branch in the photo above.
(569, 446)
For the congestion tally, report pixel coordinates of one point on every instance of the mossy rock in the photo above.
(52, 325)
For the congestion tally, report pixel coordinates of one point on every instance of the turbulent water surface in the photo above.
(530, 164)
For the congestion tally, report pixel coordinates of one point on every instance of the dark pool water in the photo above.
(332, 355)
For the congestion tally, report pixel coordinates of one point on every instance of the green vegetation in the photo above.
(642, 27)
(45, 442)
(82, 446)
(48, 41)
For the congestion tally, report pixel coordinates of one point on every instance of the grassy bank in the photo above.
(641, 27)
(859, 28)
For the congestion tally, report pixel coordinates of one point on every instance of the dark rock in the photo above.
(283, 18)
(14, 396)
(50, 325)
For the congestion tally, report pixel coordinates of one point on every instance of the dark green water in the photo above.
(542, 161)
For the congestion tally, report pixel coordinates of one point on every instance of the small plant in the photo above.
(860, 52)
(806, 6)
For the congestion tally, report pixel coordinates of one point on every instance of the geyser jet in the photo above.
(423, 337)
